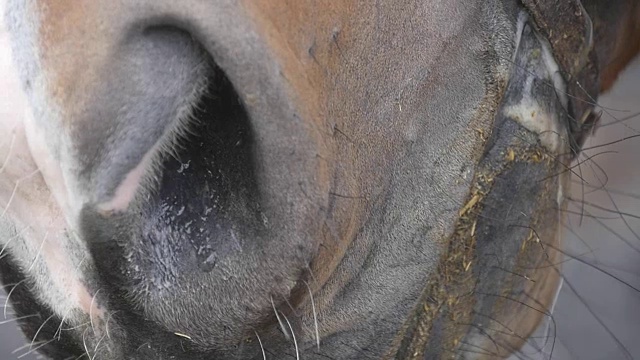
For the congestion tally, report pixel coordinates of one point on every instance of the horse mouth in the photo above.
(498, 277)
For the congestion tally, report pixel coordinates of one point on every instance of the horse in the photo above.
(216, 179)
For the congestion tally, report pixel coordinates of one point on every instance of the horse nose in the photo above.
(190, 162)
(149, 90)
(132, 90)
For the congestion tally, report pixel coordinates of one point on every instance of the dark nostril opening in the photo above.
(218, 148)
(219, 224)
(204, 206)
(209, 188)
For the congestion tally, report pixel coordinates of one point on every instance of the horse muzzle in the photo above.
(223, 181)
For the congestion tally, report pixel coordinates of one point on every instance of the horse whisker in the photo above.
(25, 346)
(44, 238)
(286, 333)
(91, 310)
(38, 331)
(315, 317)
(36, 348)
(9, 295)
(264, 355)
(84, 343)
(295, 342)
(18, 318)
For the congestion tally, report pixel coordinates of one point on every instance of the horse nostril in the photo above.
(222, 215)
(208, 188)
(205, 200)
(151, 85)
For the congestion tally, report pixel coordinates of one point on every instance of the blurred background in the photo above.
(597, 315)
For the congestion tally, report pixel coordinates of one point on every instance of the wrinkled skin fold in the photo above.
(290, 179)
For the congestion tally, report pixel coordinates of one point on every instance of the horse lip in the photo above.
(536, 94)
(528, 151)
(521, 165)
